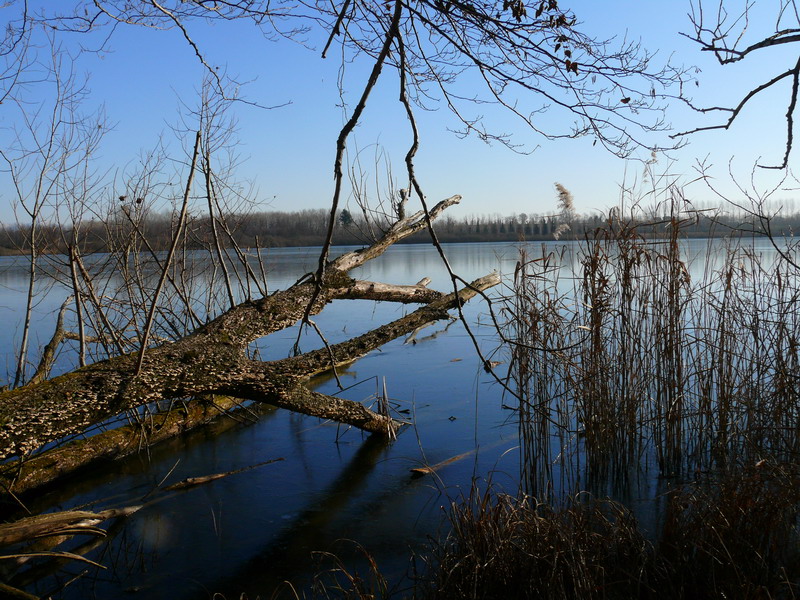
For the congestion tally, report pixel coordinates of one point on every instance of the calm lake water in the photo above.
(333, 487)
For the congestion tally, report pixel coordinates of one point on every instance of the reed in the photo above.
(636, 365)
(734, 537)
(503, 547)
(623, 362)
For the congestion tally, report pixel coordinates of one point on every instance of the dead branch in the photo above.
(49, 352)
(191, 482)
(728, 36)
(56, 524)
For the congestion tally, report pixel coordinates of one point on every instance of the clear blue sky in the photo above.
(289, 150)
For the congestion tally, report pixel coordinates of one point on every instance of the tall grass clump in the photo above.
(629, 358)
(733, 537)
(506, 547)
(642, 362)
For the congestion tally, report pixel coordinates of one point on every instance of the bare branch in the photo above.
(723, 37)
(178, 232)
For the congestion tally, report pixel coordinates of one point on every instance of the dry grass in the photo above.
(503, 547)
(735, 538)
(624, 362)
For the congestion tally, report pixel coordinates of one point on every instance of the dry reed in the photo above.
(623, 361)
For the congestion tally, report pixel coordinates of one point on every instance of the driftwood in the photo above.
(430, 469)
(190, 482)
(213, 359)
(41, 535)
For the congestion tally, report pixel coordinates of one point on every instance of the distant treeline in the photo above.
(308, 228)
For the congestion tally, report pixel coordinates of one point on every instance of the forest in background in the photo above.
(308, 228)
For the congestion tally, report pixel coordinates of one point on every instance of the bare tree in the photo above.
(45, 158)
(213, 359)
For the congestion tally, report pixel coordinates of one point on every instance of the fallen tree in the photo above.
(213, 360)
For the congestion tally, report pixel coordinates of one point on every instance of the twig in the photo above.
(170, 254)
(341, 142)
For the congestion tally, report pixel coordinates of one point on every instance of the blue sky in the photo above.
(288, 151)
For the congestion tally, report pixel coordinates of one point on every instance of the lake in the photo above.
(332, 488)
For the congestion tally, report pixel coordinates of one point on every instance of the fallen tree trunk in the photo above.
(213, 359)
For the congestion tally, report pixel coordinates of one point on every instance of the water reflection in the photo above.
(289, 555)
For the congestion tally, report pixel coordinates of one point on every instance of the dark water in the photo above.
(251, 531)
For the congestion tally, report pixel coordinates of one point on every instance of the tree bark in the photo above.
(23, 476)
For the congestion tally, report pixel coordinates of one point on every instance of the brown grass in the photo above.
(503, 547)
(623, 362)
(735, 537)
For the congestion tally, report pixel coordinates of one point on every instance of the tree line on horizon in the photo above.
(308, 227)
